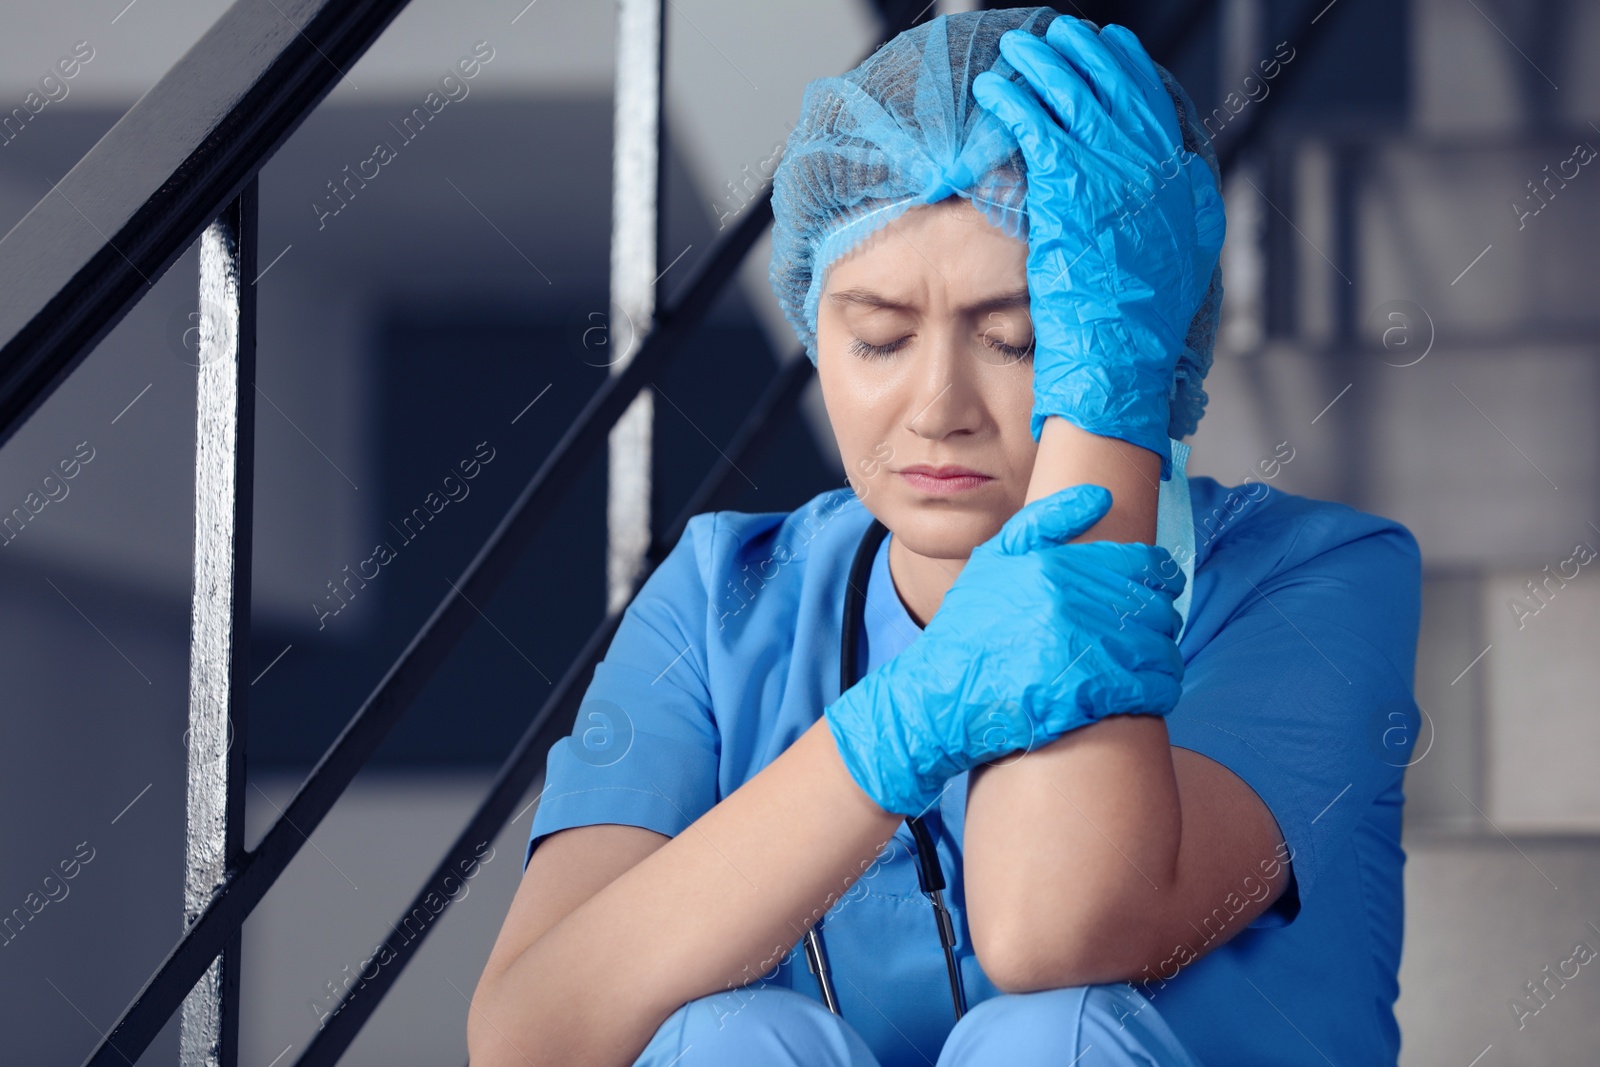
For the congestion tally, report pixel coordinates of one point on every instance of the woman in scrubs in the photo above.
(997, 238)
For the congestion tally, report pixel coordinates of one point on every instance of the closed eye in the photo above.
(1011, 352)
(864, 350)
(869, 351)
(1006, 326)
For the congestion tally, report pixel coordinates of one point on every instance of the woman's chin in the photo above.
(943, 533)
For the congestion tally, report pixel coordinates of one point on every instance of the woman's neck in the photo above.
(920, 581)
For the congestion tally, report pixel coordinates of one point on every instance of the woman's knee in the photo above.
(1108, 1025)
(755, 1024)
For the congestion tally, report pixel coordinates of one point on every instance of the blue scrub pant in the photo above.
(1081, 1026)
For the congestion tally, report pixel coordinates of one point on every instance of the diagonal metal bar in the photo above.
(340, 1026)
(534, 506)
(749, 445)
(101, 236)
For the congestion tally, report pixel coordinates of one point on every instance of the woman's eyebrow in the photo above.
(868, 298)
(1003, 302)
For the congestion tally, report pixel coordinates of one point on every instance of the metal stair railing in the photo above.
(124, 213)
(182, 162)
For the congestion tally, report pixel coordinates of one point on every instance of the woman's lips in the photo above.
(944, 481)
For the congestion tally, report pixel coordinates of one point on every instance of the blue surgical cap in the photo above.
(903, 129)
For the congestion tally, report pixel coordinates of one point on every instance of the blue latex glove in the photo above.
(1035, 638)
(1124, 227)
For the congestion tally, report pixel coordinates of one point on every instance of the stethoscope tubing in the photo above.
(929, 874)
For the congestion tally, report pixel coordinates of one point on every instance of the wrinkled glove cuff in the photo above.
(878, 756)
(1096, 377)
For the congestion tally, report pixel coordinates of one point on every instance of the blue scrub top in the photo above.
(1299, 652)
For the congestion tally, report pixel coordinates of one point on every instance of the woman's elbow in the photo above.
(1022, 966)
(1033, 949)
(1023, 955)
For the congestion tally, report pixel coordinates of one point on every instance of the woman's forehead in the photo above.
(948, 247)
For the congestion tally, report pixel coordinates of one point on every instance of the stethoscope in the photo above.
(929, 874)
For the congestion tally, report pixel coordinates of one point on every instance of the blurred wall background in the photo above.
(1406, 317)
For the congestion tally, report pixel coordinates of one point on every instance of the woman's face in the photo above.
(924, 353)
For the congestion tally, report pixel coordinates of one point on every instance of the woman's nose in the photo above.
(943, 398)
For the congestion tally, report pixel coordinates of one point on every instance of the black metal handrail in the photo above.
(449, 621)
(114, 223)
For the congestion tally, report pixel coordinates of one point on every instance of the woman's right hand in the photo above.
(1037, 637)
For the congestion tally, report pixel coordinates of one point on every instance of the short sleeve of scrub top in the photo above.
(1298, 649)
(643, 751)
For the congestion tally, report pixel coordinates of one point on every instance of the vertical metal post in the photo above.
(219, 645)
(1244, 257)
(1244, 28)
(635, 188)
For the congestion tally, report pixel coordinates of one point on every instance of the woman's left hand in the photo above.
(1040, 634)
(1124, 227)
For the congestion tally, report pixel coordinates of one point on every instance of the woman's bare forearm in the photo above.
(714, 908)
(1102, 815)
(1069, 455)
